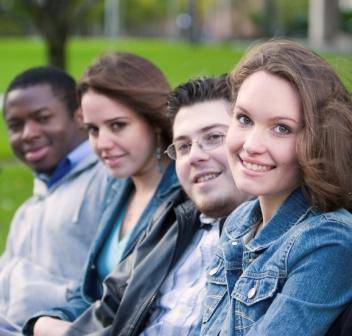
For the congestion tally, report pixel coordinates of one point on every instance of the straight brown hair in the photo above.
(133, 81)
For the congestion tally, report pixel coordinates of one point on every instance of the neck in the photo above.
(270, 204)
(148, 180)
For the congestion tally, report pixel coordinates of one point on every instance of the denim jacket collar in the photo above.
(292, 211)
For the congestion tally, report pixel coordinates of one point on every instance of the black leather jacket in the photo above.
(134, 285)
(343, 325)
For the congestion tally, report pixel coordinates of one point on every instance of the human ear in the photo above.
(78, 118)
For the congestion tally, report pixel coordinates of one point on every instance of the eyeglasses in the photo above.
(206, 142)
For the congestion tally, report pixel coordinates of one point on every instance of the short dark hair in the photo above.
(134, 81)
(197, 90)
(61, 83)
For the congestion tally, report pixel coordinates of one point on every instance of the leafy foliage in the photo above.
(53, 20)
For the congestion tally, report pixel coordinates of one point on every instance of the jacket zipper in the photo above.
(155, 295)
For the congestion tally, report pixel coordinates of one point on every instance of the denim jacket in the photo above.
(293, 278)
(91, 289)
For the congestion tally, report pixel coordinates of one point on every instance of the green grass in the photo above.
(178, 60)
(15, 187)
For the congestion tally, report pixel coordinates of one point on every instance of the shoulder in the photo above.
(337, 222)
(320, 233)
(175, 201)
(18, 216)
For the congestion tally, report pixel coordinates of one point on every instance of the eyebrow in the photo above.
(108, 121)
(284, 118)
(276, 118)
(203, 130)
(32, 114)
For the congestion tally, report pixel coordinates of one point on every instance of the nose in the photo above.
(31, 130)
(104, 141)
(254, 142)
(197, 154)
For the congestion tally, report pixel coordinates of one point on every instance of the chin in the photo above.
(216, 209)
(117, 173)
(250, 189)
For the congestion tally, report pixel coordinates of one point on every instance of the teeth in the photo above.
(206, 177)
(256, 167)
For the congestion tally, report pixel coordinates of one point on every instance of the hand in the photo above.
(49, 326)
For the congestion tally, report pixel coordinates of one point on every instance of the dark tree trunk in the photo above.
(269, 18)
(193, 31)
(56, 52)
(54, 20)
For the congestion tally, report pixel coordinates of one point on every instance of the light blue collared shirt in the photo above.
(178, 311)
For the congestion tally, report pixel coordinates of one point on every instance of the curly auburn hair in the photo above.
(324, 146)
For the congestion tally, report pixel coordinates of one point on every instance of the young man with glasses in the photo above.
(159, 289)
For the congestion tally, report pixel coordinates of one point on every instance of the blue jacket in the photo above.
(293, 278)
(91, 288)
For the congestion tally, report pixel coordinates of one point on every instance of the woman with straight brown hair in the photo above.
(123, 100)
(284, 261)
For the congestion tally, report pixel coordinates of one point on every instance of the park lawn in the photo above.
(15, 187)
(178, 60)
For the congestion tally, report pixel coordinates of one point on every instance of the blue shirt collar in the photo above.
(66, 164)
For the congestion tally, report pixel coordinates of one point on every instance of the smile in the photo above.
(206, 177)
(112, 160)
(36, 154)
(256, 167)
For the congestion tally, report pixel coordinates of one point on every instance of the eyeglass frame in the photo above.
(197, 141)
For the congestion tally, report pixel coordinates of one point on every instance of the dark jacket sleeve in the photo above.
(343, 325)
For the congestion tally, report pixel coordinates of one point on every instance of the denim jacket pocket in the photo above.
(251, 298)
(215, 288)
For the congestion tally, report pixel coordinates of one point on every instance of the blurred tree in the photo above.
(194, 29)
(54, 20)
(346, 21)
(142, 17)
(282, 17)
(269, 17)
(292, 17)
(112, 18)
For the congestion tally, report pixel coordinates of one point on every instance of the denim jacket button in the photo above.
(251, 293)
(213, 271)
(234, 243)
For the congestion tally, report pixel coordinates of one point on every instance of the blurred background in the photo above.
(185, 38)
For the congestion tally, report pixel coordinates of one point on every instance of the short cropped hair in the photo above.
(61, 83)
(133, 81)
(324, 146)
(197, 90)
